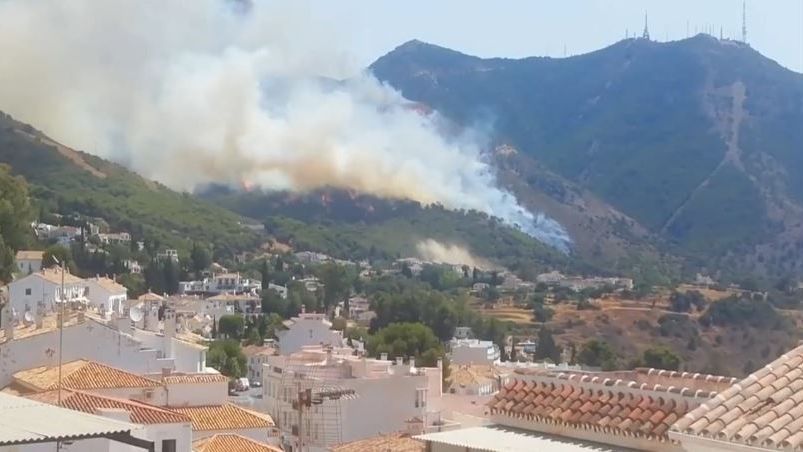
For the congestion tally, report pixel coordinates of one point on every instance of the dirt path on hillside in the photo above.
(69, 153)
(731, 123)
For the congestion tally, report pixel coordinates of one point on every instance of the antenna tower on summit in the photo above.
(646, 34)
(744, 21)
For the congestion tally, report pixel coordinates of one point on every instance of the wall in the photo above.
(90, 340)
(182, 433)
(567, 431)
(464, 354)
(307, 332)
(197, 394)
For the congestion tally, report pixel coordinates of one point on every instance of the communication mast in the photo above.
(646, 34)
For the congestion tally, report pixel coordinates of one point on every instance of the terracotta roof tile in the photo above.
(141, 413)
(591, 402)
(82, 374)
(763, 410)
(195, 378)
(396, 442)
(224, 417)
(230, 442)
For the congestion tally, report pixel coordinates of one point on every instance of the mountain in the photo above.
(63, 180)
(356, 226)
(697, 141)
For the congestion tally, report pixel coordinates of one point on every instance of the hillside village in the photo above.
(298, 350)
(254, 255)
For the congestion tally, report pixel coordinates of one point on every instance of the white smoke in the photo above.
(432, 250)
(199, 92)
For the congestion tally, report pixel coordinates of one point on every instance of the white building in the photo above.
(350, 397)
(170, 254)
(28, 261)
(114, 343)
(43, 290)
(132, 266)
(168, 430)
(308, 329)
(106, 295)
(257, 356)
(32, 426)
(115, 238)
(231, 283)
(473, 351)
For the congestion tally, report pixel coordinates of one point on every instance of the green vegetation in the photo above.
(405, 340)
(643, 125)
(683, 302)
(227, 357)
(231, 326)
(15, 215)
(661, 358)
(743, 311)
(125, 200)
(598, 353)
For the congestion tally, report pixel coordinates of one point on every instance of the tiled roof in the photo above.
(150, 296)
(610, 406)
(472, 375)
(28, 255)
(224, 417)
(195, 378)
(763, 410)
(109, 284)
(141, 413)
(230, 442)
(53, 275)
(82, 374)
(396, 442)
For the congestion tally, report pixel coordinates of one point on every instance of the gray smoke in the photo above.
(191, 93)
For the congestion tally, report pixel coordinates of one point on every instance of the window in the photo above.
(28, 291)
(168, 445)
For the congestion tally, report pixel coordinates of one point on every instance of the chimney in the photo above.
(170, 323)
(399, 360)
(8, 321)
(124, 325)
(440, 363)
(81, 317)
(169, 331)
(384, 356)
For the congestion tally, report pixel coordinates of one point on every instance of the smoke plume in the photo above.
(445, 253)
(190, 93)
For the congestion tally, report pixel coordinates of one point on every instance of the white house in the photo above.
(106, 295)
(350, 397)
(257, 356)
(115, 343)
(473, 351)
(43, 289)
(28, 261)
(305, 330)
(169, 431)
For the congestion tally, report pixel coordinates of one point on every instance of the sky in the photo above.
(519, 28)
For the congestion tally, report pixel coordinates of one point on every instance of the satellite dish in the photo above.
(136, 314)
(28, 317)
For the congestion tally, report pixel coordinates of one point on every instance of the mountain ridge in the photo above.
(686, 137)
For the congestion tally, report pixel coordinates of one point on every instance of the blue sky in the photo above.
(518, 28)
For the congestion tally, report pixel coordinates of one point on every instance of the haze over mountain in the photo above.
(698, 141)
